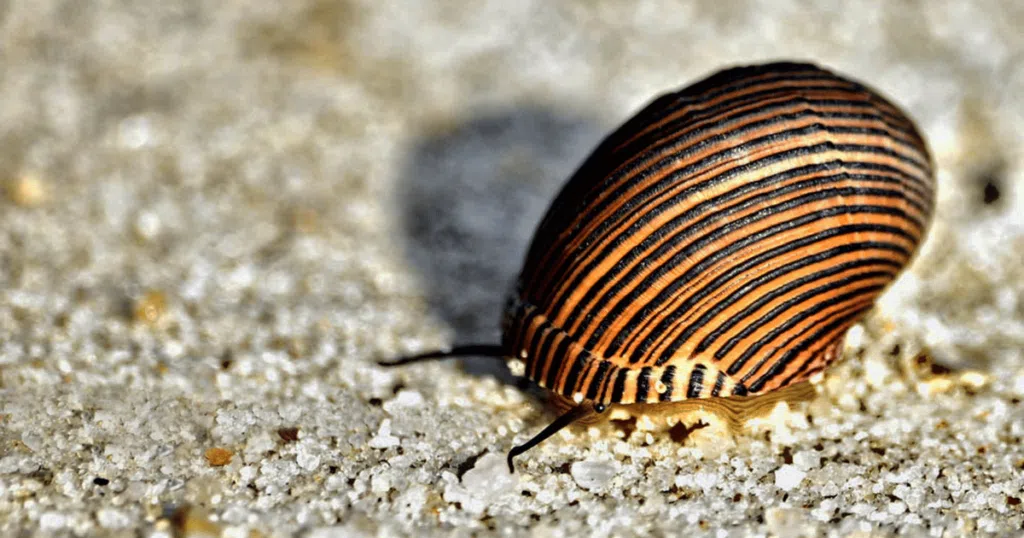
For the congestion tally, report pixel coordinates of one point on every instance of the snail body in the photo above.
(719, 243)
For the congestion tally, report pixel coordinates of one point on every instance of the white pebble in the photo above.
(51, 521)
(238, 531)
(259, 444)
(404, 399)
(1019, 384)
(490, 472)
(592, 475)
(384, 439)
(33, 441)
(290, 412)
(806, 459)
(135, 132)
(788, 477)
(111, 518)
(706, 481)
(877, 372)
(483, 486)
(855, 337)
(380, 484)
(307, 459)
(147, 225)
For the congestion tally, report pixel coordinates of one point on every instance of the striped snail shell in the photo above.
(719, 243)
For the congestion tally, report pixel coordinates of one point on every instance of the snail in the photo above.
(720, 243)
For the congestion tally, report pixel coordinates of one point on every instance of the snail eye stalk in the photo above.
(578, 412)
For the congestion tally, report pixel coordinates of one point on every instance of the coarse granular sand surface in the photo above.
(217, 216)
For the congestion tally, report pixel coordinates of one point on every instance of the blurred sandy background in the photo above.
(217, 215)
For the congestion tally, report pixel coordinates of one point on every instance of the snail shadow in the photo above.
(470, 197)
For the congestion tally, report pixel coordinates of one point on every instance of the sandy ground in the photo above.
(218, 215)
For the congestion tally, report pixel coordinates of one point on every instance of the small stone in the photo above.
(218, 456)
(855, 337)
(27, 190)
(788, 477)
(259, 444)
(33, 441)
(409, 398)
(592, 475)
(135, 132)
(806, 459)
(481, 487)
(706, 481)
(848, 402)
(307, 459)
(404, 399)
(974, 379)
(248, 473)
(517, 367)
(147, 226)
(288, 435)
(489, 474)
(877, 372)
(150, 308)
(1018, 383)
(384, 439)
(380, 484)
(934, 386)
(51, 521)
(413, 499)
(112, 518)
